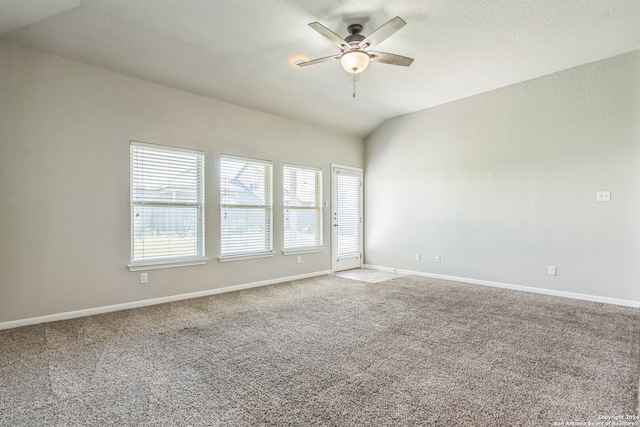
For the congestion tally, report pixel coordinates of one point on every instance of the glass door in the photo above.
(346, 239)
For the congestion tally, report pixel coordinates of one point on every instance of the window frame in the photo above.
(317, 207)
(176, 260)
(267, 207)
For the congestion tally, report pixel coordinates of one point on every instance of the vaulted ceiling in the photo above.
(242, 51)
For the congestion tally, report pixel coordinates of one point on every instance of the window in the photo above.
(246, 207)
(167, 206)
(302, 208)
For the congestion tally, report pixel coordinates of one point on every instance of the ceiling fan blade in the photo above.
(317, 61)
(382, 33)
(390, 58)
(333, 37)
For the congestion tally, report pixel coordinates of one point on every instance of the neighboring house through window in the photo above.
(302, 208)
(167, 206)
(246, 208)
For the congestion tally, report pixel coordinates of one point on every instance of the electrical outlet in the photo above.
(603, 196)
(299, 259)
(551, 270)
(418, 257)
(438, 259)
(144, 277)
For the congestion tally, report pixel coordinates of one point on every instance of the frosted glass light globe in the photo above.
(354, 61)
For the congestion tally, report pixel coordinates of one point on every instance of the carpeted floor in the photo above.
(329, 351)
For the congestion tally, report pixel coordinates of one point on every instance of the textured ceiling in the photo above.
(241, 51)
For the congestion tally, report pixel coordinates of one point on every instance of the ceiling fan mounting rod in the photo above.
(354, 29)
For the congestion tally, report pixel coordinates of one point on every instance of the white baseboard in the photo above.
(595, 298)
(143, 303)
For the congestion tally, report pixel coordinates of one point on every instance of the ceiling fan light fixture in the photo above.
(354, 61)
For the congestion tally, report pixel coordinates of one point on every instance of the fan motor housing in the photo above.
(354, 38)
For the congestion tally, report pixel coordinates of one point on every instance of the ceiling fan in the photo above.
(355, 49)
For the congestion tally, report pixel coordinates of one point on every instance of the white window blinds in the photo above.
(348, 243)
(167, 203)
(302, 207)
(246, 206)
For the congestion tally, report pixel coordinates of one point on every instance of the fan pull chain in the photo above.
(354, 78)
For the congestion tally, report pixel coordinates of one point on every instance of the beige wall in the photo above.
(503, 184)
(64, 182)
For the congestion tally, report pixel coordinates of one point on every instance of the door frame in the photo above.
(334, 244)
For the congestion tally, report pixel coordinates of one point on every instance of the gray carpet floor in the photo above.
(329, 351)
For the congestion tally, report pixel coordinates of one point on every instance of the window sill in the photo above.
(299, 251)
(154, 265)
(229, 258)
